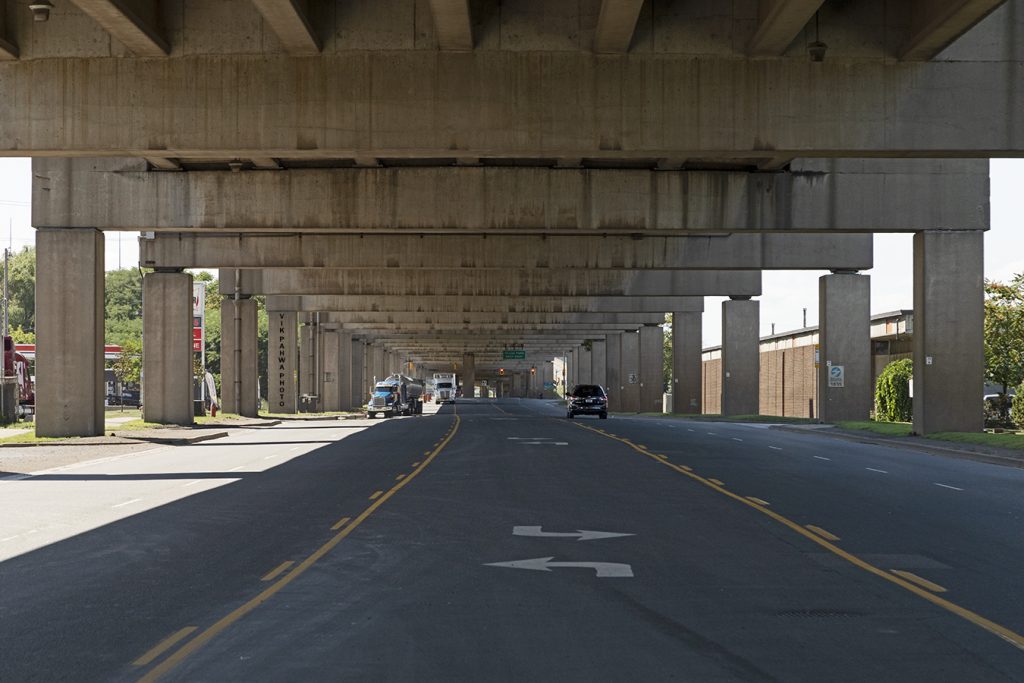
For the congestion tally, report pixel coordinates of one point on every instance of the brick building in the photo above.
(789, 378)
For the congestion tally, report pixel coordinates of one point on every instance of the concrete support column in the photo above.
(949, 319)
(599, 362)
(845, 389)
(283, 361)
(69, 332)
(687, 335)
(331, 370)
(652, 368)
(307, 356)
(167, 348)
(377, 371)
(239, 389)
(629, 373)
(574, 360)
(584, 374)
(358, 365)
(548, 379)
(613, 374)
(741, 360)
(468, 375)
(345, 400)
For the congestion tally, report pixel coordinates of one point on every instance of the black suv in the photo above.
(587, 399)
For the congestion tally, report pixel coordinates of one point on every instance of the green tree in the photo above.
(122, 299)
(1004, 332)
(20, 336)
(667, 352)
(128, 367)
(892, 392)
(21, 289)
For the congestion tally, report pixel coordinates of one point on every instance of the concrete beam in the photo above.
(815, 196)
(135, 23)
(505, 283)
(453, 24)
(779, 23)
(605, 252)
(937, 23)
(460, 303)
(388, 104)
(616, 24)
(370, 318)
(290, 21)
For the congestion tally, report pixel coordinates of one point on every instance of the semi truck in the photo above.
(444, 387)
(396, 395)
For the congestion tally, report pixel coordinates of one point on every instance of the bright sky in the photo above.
(786, 293)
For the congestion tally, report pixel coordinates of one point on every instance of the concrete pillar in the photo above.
(629, 373)
(331, 370)
(583, 376)
(283, 359)
(949, 318)
(167, 348)
(307, 356)
(613, 374)
(687, 336)
(358, 362)
(376, 365)
(845, 390)
(69, 332)
(652, 368)
(241, 353)
(599, 362)
(574, 359)
(741, 361)
(468, 375)
(345, 400)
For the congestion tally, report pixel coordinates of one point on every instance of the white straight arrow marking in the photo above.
(579, 535)
(544, 564)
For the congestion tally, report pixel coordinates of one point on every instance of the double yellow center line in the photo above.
(923, 592)
(211, 632)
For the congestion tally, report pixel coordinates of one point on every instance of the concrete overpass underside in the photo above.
(419, 185)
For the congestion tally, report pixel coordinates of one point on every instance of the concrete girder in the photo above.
(583, 328)
(937, 23)
(616, 24)
(134, 23)
(748, 251)
(880, 195)
(504, 283)
(453, 24)
(289, 20)
(371, 318)
(461, 303)
(779, 23)
(402, 103)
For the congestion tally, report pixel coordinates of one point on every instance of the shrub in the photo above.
(997, 411)
(1017, 408)
(892, 392)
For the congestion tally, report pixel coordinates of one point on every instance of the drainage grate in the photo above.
(820, 613)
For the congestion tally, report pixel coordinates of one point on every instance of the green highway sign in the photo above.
(513, 354)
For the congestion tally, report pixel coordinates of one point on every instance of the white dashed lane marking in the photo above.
(947, 486)
(822, 457)
(874, 470)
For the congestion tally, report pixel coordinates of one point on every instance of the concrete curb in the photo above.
(121, 440)
(898, 442)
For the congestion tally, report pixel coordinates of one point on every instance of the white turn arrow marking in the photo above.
(544, 564)
(580, 535)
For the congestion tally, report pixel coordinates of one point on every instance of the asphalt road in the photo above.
(448, 547)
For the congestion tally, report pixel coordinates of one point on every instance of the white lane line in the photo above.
(689, 430)
(235, 469)
(712, 434)
(9, 538)
(295, 448)
(874, 470)
(775, 448)
(822, 457)
(735, 439)
(271, 457)
(947, 486)
(127, 502)
(192, 483)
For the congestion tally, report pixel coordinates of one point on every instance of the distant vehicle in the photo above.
(444, 387)
(396, 395)
(587, 399)
(15, 364)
